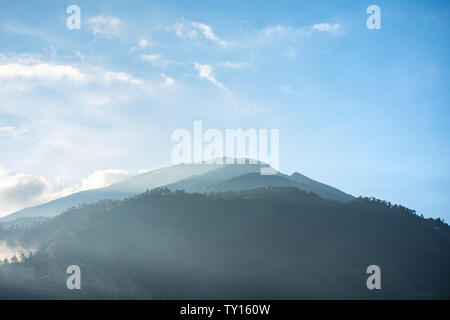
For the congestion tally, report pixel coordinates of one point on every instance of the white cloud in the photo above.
(287, 89)
(158, 60)
(96, 99)
(274, 31)
(167, 80)
(9, 131)
(143, 43)
(53, 72)
(20, 58)
(41, 71)
(233, 65)
(206, 71)
(153, 58)
(282, 32)
(18, 27)
(18, 191)
(6, 131)
(208, 33)
(196, 30)
(110, 76)
(32, 31)
(105, 25)
(326, 27)
(103, 178)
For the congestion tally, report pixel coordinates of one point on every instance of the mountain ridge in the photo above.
(204, 177)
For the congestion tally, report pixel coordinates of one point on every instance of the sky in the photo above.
(364, 110)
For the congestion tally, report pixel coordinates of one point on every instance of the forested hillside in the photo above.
(260, 244)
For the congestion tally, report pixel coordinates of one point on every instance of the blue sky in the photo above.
(363, 110)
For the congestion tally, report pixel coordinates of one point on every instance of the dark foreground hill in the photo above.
(275, 243)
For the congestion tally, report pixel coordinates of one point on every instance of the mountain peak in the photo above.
(207, 176)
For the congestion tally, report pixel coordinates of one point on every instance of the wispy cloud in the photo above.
(142, 44)
(8, 250)
(10, 131)
(233, 65)
(41, 71)
(158, 60)
(326, 27)
(53, 72)
(197, 30)
(277, 31)
(155, 59)
(287, 89)
(104, 25)
(167, 80)
(205, 71)
(209, 34)
(110, 76)
(280, 31)
(37, 32)
(18, 27)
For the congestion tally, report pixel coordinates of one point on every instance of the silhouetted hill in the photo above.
(258, 244)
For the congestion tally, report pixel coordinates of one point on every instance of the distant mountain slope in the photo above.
(254, 181)
(275, 243)
(319, 188)
(52, 208)
(208, 181)
(134, 185)
(246, 177)
(160, 177)
(189, 177)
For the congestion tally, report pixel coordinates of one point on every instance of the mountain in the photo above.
(271, 243)
(319, 188)
(189, 177)
(24, 222)
(254, 181)
(52, 208)
(161, 177)
(134, 185)
(208, 181)
(236, 177)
